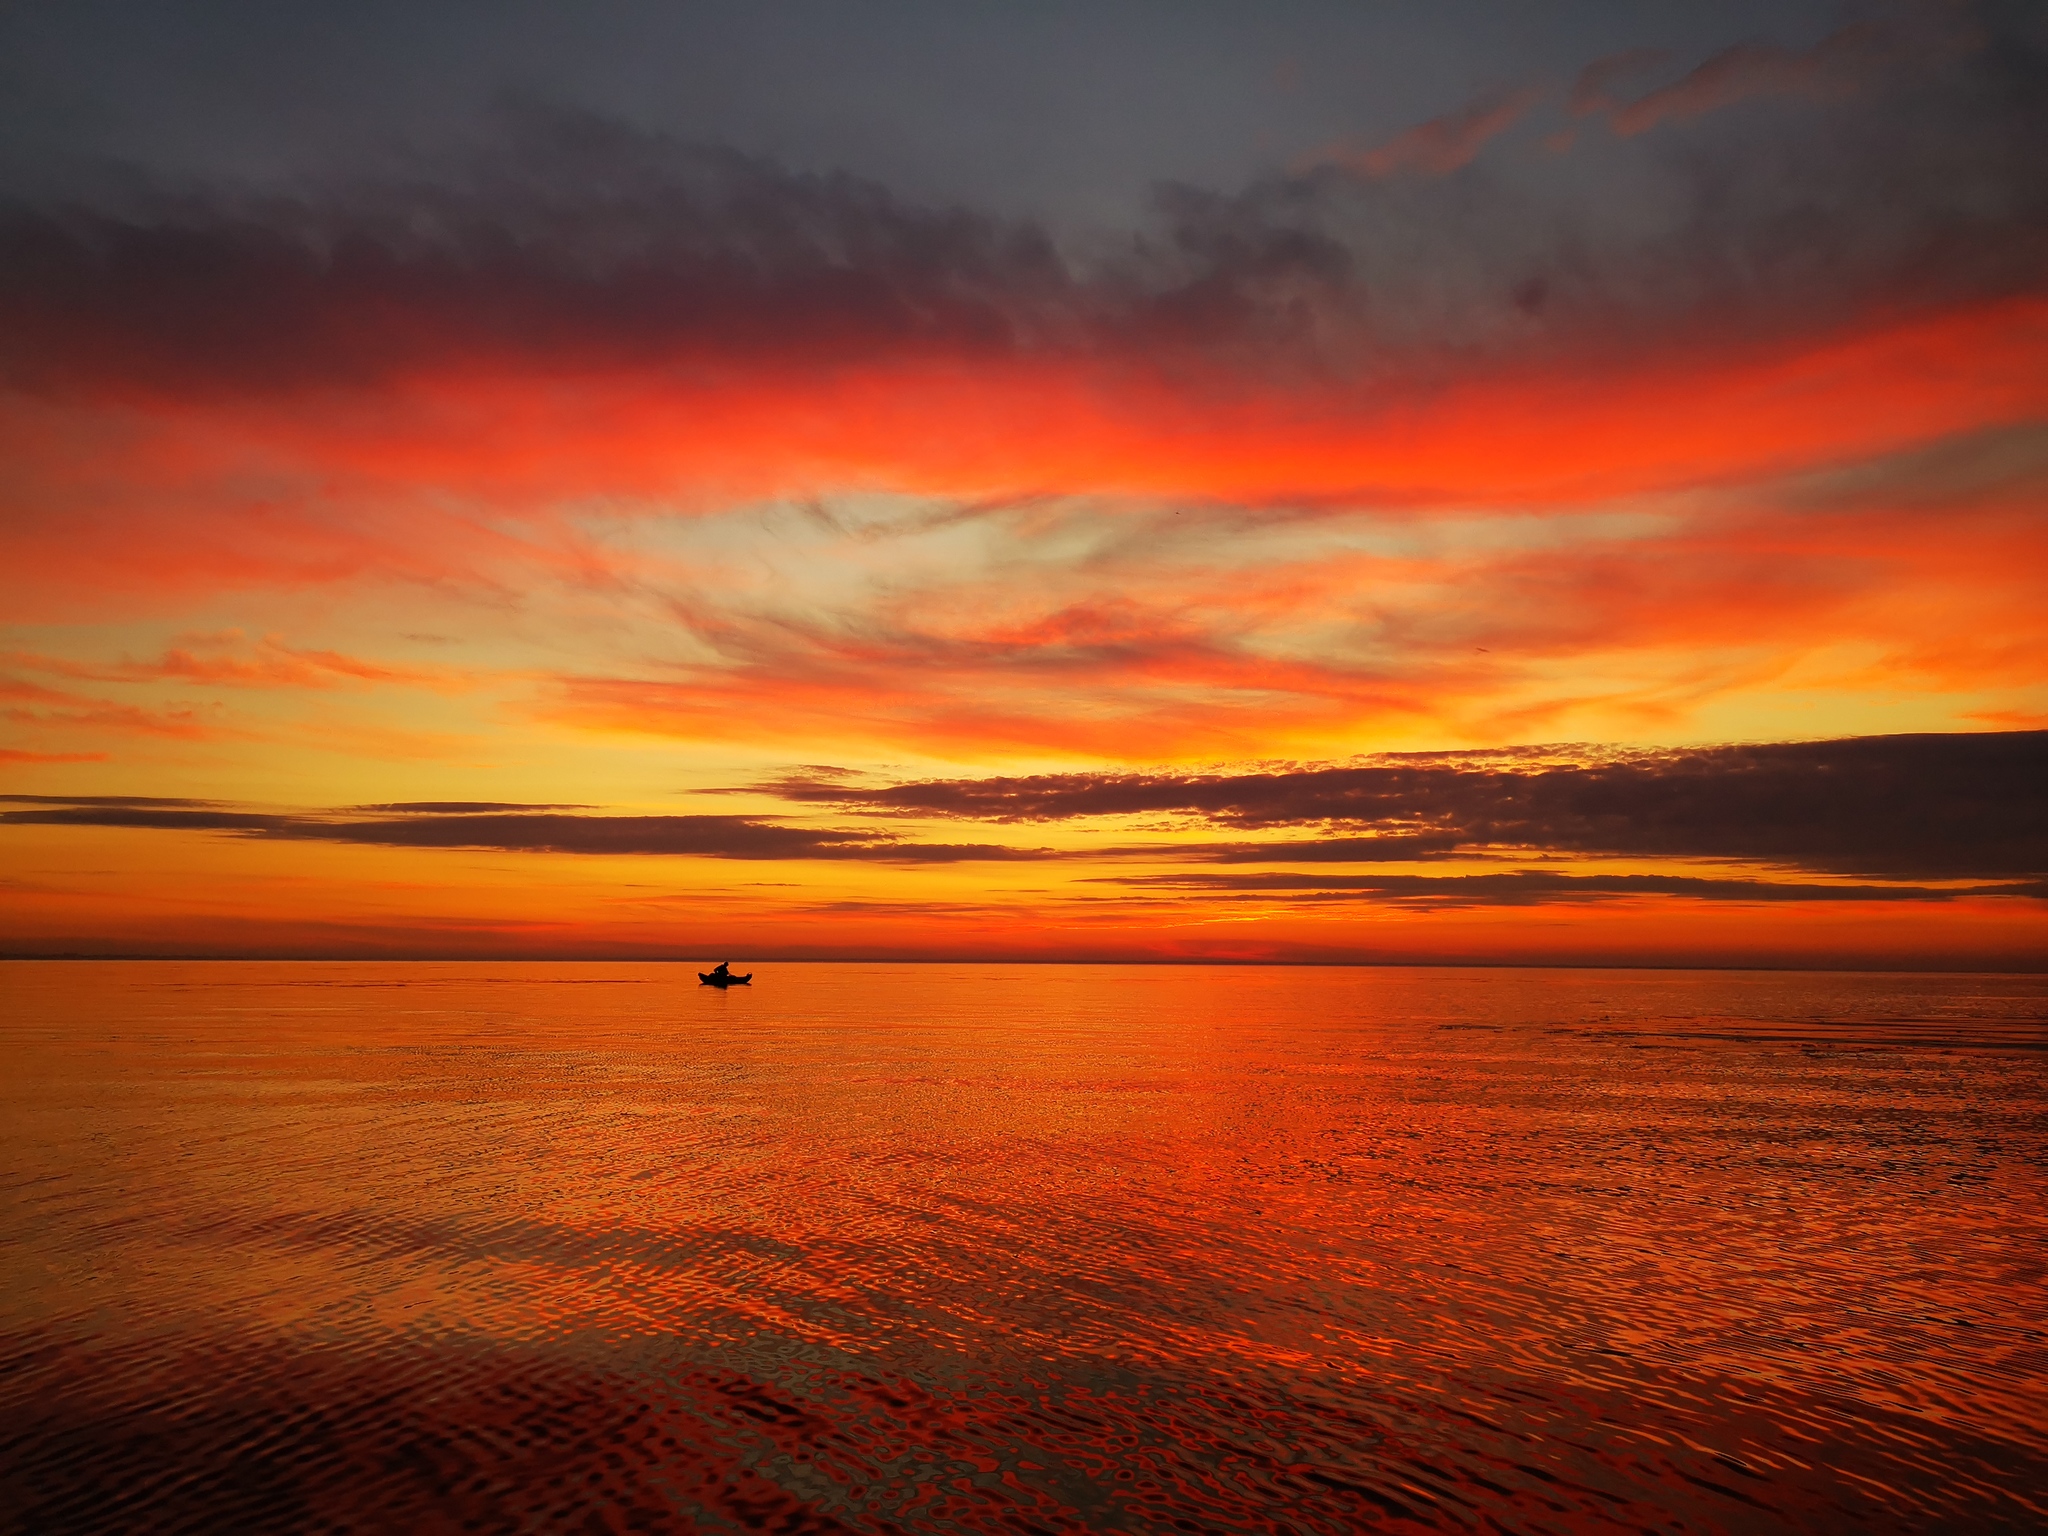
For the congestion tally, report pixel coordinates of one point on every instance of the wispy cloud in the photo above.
(1442, 144)
(1242, 641)
(479, 825)
(231, 660)
(1528, 888)
(102, 717)
(1593, 91)
(1838, 63)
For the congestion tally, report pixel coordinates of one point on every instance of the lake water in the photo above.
(982, 1248)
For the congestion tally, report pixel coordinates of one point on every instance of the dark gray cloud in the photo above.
(569, 239)
(476, 827)
(1529, 887)
(1927, 806)
(467, 807)
(1059, 108)
(114, 800)
(1392, 847)
(1904, 809)
(120, 813)
(574, 241)
(721, 837)
(1910, 185)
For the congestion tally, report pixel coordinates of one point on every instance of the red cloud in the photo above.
(1593, 91)
(373, 485)
(1442, 144)
(1835, 65)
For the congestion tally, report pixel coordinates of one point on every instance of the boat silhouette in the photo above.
(715, 979)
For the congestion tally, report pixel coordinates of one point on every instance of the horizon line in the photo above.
(1931, 969)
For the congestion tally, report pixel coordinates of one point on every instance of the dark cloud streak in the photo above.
(126, 814)
(1905, 810)
(110, 800)
(1949, 806)
(468, 807)
(1523, 888)
(716, 837)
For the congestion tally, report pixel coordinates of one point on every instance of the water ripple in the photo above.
(1031, 1249)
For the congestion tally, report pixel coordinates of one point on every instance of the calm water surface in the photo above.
(1033, 1249)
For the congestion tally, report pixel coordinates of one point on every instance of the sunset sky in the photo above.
(1114, 481)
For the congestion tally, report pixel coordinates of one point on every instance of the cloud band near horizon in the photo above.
(1945, 807)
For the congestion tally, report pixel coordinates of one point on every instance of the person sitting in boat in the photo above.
(723, 970)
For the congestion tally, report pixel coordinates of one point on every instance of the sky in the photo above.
(1300, 482)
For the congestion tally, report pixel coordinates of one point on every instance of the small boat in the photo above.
(713, 979)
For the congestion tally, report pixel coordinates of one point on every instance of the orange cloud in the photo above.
(264, 663)
(22, 755)
(1173, 643)
(101, 716)
(372, 487)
